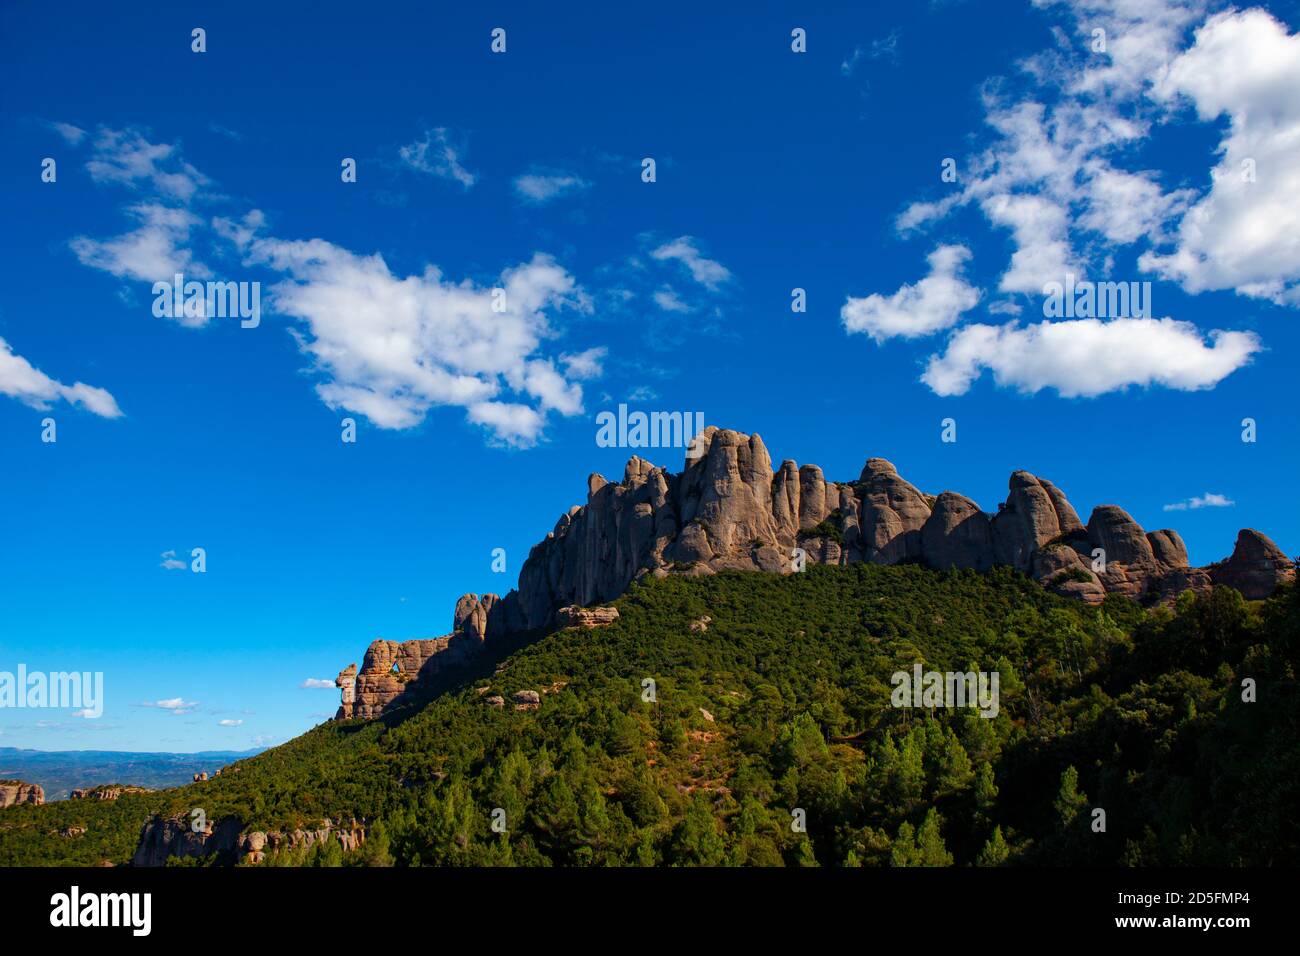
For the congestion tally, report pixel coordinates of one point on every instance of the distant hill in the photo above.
(60, 771)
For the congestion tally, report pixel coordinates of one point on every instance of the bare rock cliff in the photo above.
(14, 792)
(162, 838)
(728, 509)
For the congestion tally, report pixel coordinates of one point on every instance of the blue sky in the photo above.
(522, 170)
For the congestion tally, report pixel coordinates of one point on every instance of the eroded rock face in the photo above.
(391, 669)
(891, 514)
(574, 616)
(1112, 529)
(728, 509)
(346, 682)
(1062, 569)
(1255, 567)
(165, 837)
(161, 838)
(526, 700)
(14, 792)
(106, 792)
(1168, 548)
(1035, 513)
(957, 535)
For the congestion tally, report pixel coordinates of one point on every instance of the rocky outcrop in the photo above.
(1254, 567)
(254, 846)
(574, 616)
(346, 682)
(391, 668)
(891, 514)
(957, 535)
(106, 791)
(1034, 513)
(526, 700)
(729, 509)
(1167, 548)
(14, 792)
(162, 838)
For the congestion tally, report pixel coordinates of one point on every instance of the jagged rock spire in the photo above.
(728, 510)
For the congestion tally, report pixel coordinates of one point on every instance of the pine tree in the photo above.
(986, 794)
(696, 840)
(375, 851)
(929, 842)
(1069, 801)
(995, 851)
(954, 771)
(903, 850)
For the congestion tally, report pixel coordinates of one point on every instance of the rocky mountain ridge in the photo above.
(728, 509)
(14, 792)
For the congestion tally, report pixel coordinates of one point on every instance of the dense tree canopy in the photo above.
(771, 739)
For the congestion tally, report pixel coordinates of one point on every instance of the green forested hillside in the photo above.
(1139, 713)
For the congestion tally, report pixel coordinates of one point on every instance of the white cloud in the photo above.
(1207, 500)
(920, 214)
(436, 156)
(1060, 176)
(240, 232)
(229, 723)
(1039, 229)
(1052, 174)
(225, 131)
(159, 247)
(21, 380)
(154, 252)
(510, 422)
(880, 47)
(173, 705)
(1125, 207)
(642, 393)
(1089, 357)
(390, 347)
(127, 158)
(170, 562)
(932, 304)
(1241, 235)
(539, 378)
(386, 346)
(707, 272)
(585, 365)
(316, 682)
(1141, 35)
(542, 187)
(668, 300)
(72, 135)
